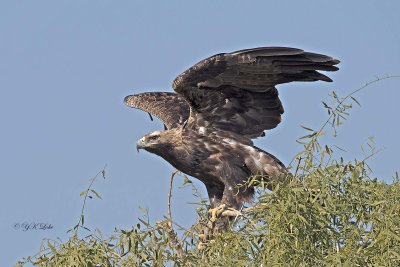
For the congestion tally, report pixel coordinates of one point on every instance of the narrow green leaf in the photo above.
(186, 180)
(144, 222)
(308, 135)
(308, 129)
(53, 249)
(355, 100)
(97, 195)
(325, 105)
(376, 203)
(327, 150)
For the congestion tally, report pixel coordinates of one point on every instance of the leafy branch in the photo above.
(88, 194)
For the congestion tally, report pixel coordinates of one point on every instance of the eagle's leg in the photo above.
(215, 194)
(211, 228)
(219, 209)
(228, 207)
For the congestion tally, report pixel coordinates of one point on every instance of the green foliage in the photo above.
(330, 213)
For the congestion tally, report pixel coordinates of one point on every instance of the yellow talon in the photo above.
(215, 212)
(223, 211)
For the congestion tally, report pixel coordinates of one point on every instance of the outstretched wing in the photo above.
(171, 108)
(236, 91)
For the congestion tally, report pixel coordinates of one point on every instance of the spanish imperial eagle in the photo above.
(220, 104)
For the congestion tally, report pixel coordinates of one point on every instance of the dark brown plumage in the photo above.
(220, 104)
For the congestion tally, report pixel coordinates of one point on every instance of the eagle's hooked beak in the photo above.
(140, 144)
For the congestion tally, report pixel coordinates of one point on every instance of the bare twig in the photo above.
(171, 180)
(170, 230)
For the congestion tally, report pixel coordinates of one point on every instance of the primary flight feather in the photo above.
(219, 105)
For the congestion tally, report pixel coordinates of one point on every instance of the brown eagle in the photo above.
(220, 104)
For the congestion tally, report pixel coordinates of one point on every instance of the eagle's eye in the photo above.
(153, 137)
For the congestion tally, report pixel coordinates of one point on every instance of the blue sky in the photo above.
(65, 67)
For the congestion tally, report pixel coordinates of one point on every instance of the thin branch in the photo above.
(170, 230)
(319, 132)
(171, 180)
(80, 222)
(354, 92)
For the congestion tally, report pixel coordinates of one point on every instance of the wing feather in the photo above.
(236, 91)
(171, 108)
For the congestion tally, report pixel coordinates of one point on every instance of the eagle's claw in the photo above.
(216, 212)
(223, 211)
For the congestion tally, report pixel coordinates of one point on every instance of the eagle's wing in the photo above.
(236, 91)
(171, 108)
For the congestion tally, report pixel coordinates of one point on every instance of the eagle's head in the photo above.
(157, 142)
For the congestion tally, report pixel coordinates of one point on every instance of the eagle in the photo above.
(219, 105)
